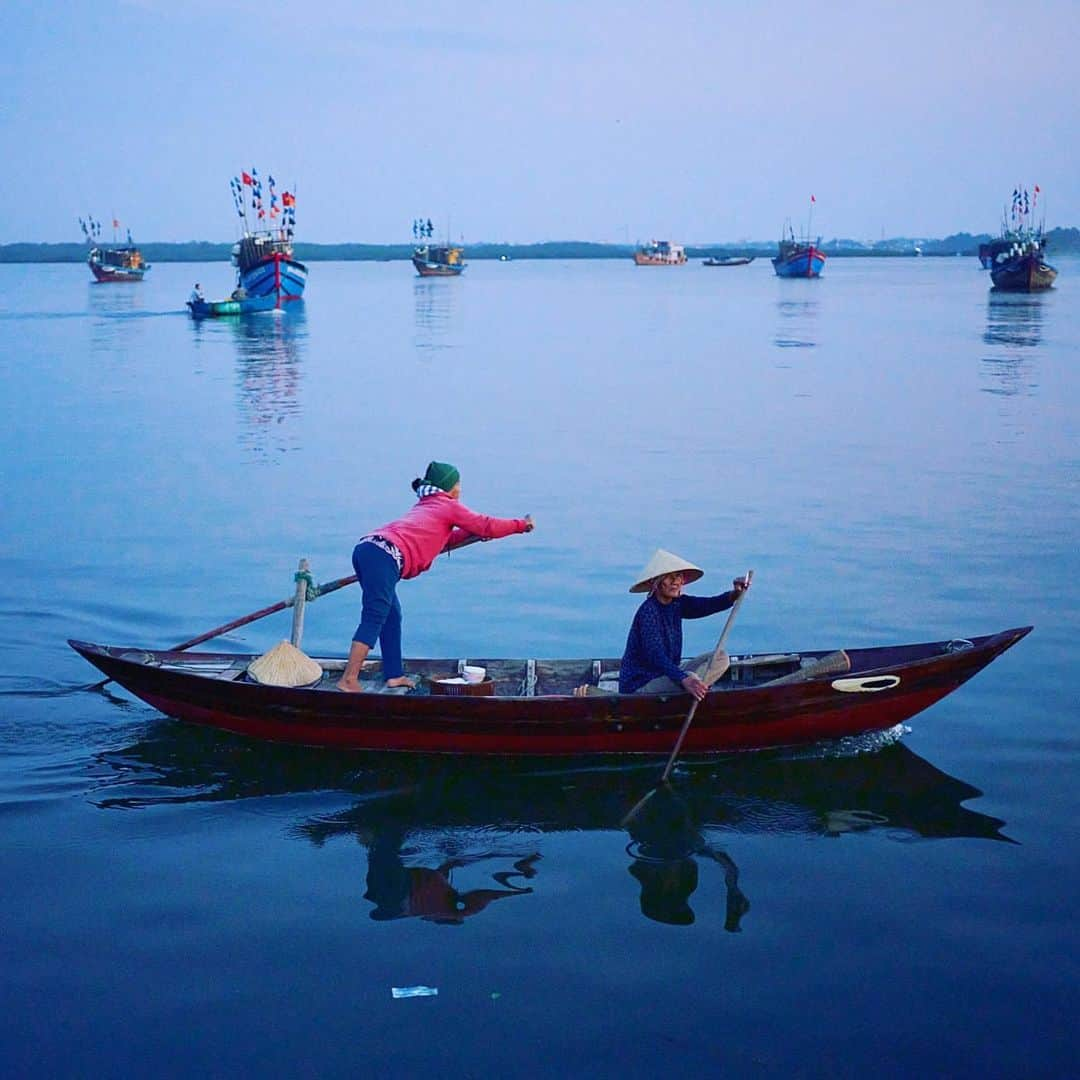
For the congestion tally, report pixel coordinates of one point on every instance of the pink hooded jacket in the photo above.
(437, 523)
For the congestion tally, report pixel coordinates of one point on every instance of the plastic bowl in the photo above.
(473, 674)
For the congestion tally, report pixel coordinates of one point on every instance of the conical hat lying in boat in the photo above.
(284, 665)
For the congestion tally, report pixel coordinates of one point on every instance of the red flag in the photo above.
(246, 178)
(116, 224)
(1037, 189)
(287, 199)
(812, 199)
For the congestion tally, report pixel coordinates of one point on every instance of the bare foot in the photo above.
(402, 680)
(581, 691)
(350, 686)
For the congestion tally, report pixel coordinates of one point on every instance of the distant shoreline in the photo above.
(1059, 241)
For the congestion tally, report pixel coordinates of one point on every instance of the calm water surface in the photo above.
(893, 449)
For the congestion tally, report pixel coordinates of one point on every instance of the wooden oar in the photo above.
(718, 664)
(320, 590)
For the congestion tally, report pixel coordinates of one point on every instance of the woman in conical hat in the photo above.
(652, 660)
(402, 550)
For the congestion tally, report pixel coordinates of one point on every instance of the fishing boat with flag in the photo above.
(116, 261)
(435, 261)
(1016, 258)
(799, 257)
(268, 276)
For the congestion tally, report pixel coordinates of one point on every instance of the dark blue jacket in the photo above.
(654, 644)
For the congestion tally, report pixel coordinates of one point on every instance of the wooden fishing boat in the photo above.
(798, 258)
(1025, 270)
(112, 262)
(109, 264)
(529, 706)
(268, 274)
(447, 261)
(1017, 258)
(660, 253)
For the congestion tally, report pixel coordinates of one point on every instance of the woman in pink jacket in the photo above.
(403, 549)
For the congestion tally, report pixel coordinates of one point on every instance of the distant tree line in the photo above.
(1059, 241)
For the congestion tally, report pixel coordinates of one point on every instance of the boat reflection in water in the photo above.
(1013, 326)
(269, 349)
(435, 310)
(446, 838)
(796, 324)
(1014, 319)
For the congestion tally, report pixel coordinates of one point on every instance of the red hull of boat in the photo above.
(738, 718)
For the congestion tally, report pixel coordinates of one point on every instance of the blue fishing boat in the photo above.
(238, 304)
(798, 258)
(268, 275)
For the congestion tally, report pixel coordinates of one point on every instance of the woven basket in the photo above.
(441, 688)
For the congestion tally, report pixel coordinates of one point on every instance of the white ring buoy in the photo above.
(866, 684)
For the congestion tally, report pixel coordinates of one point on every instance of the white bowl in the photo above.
(473, 674)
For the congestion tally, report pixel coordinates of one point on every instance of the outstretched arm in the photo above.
(459, 537)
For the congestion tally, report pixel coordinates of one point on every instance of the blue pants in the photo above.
(380, 613)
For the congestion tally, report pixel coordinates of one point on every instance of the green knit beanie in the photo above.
(441, 475)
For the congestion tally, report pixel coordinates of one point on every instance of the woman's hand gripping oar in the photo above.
(719, 662)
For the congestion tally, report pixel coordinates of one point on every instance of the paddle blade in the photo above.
(835, 663)
(717, 668)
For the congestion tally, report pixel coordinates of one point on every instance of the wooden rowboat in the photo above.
(533, 710)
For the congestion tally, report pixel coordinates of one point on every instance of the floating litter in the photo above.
(413, 991)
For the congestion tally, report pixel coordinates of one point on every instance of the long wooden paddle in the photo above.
(320, 590)
(719, 662)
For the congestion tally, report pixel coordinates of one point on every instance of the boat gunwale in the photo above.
(172, 662)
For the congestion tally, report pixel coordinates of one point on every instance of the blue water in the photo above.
(893, 449)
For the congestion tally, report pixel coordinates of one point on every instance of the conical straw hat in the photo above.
(664, 562)
(285, 665)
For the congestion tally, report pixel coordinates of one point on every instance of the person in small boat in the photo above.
(404, 549)
(652, 660)
(196, 296)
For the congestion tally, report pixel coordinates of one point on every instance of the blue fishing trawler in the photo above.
(268, 276)
(798, 258)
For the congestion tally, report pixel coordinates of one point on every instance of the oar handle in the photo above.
(731, 615)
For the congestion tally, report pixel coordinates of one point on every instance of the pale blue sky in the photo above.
(602, 121)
